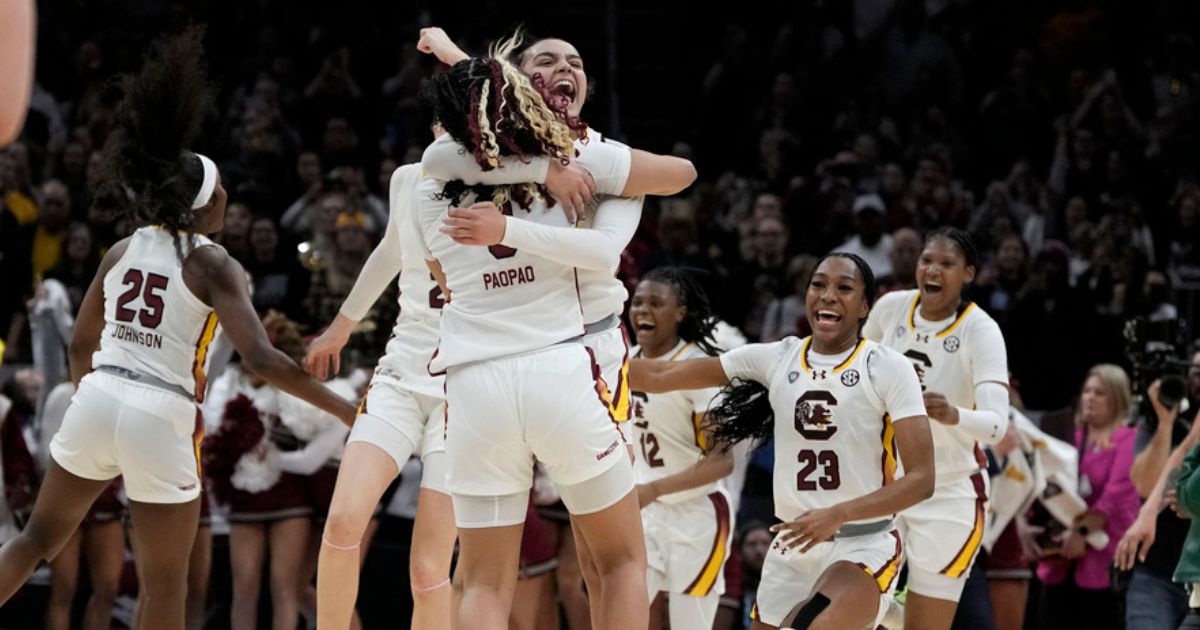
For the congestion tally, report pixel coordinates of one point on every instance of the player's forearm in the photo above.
(382, 265)
(585, 249)
(1150, 462)
(713, 467)
(915, 486)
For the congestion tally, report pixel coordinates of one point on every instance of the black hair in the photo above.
(699, 320)
(962, 241)
(149, 172)
(744, 411)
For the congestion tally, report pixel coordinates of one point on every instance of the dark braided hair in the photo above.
(744, 411)
(149, 172)
(962, 241)
(699, 320)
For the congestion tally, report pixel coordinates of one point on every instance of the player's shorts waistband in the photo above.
(854, 530)
(601, 325)
(145, 379)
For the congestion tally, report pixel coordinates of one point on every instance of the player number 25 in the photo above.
(151, 313)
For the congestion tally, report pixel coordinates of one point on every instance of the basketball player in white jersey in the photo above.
(959, 355)
(685, 512)
(518, 382)
(559, 68)
(140, 348)
(403, 408)
(836, 405)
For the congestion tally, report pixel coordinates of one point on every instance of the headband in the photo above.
(208, 184)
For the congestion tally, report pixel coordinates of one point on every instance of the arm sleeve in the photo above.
(896, 383)
(754, 362)
(385, 261)
(609, 165)
(447, 160)
(989, 356)
(319, 450)
(988, 421)
(598, 248)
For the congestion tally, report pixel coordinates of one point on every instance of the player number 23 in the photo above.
(830, 477)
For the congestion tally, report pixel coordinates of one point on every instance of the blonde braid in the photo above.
(548, 129)
(487, 138)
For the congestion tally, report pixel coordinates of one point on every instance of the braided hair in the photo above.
(149, 173)
(962, 242)
(699, 320)
(488, 106)
(744, 411)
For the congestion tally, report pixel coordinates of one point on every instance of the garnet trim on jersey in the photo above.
(805, 366)
(890, 569)
(962, 560)
(197, 440)
(707, 579)
(963, 309)
(207, 333)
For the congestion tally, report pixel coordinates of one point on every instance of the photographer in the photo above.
(1153, 600)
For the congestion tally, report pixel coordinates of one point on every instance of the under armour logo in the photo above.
(922, 338)
(819, 374)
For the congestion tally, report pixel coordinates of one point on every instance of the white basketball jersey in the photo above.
(601, 292)
(503, 301)
(666, 428)
(951, 357)
(415, 335)
(834, 439)
(154, 324)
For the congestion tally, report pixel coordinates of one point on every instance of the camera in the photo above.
(1158, 350)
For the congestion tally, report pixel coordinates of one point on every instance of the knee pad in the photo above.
(806, 614)
(599, 492)
(498, 511)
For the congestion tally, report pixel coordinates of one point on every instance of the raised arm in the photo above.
(656, 377)
(1148, 463)
(653, 174)
(220, 281)
(324, 353)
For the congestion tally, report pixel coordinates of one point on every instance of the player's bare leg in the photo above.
(434, 533)
(614, 536)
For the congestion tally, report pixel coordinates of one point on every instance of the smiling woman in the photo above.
(847, 408)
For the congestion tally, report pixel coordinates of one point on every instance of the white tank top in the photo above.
(834, 439)
(415, 335)
(667, 428)
(154, 324)
(950, 357)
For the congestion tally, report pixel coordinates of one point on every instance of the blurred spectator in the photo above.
(235, 232)
(1154, 601)
(753, 543)
(906, 251)
(1002, 277)
(760, 280)
(1077, 579)
(279, 281)
(870, 242)
(78, 264)
(333, 278)
(54, 211)
(1184, 240)
(788, 316)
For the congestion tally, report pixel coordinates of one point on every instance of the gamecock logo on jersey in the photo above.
(814, 415)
